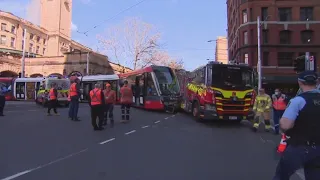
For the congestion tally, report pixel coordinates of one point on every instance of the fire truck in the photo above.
(218, 91)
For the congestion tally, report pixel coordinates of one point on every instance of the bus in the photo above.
(8, 83)
(63, 86)
(153, 87)
(219, 91)
(26, 88)
(87, 84)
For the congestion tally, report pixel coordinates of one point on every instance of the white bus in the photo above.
(26, 88)
(87, 83)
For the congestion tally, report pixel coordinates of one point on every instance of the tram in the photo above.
(26, 88)
(153, 87)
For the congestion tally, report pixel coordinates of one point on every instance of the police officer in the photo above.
(126, 101)
(300, 122)
(53, 101)
(74, 93)
(279, 103)
(110, 100)
(97, 104)
(3, 91)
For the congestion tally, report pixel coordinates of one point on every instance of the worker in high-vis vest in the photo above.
(279, 103)
(261, 108)
(126, 101)
(53, 99)
(110, 100)
(74, 93)
(97, 104)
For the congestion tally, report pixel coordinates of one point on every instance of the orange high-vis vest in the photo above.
(283, 145)
(95, 96)
(73, 90)
(279, 103)
(52, 96)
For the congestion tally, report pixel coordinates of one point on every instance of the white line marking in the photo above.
(301, 176)
(156, 122)
(109, 140)
(45, 165)
(130, 132)
(261, 139)
(173, 115)
(166, 118)
(144, 127)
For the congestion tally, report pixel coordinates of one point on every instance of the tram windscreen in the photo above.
(62, 84)
(232, 77)
(167, 80)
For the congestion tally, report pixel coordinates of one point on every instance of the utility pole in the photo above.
(88, 63)
(23, 54)
(259, 55)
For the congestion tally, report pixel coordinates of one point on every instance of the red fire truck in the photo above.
(218, 91)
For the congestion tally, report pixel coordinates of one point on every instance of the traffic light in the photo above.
(299, 64)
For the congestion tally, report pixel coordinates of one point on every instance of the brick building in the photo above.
(289, 28)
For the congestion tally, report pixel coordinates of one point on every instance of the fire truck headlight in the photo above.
(210, 107)
(249, 94)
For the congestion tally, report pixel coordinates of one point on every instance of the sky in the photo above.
(185, 25)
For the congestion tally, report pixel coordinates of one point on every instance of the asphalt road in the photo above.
(153, 146)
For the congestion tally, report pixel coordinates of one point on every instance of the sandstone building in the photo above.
(222, 50)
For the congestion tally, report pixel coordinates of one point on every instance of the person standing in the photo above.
(97, 105)
(300, 122)
(126, 101)
(74, 94)
(53, 100)
(110, 100)
(262, 105)
(279, 103)
(3, 91)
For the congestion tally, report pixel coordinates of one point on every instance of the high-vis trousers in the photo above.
(258, 118)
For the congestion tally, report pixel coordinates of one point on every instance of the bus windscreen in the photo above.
(167, 80)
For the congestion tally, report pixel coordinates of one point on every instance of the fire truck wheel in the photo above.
(196, 110)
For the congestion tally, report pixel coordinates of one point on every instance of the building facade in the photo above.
(221, 54)
(289, 28)
(51, 41)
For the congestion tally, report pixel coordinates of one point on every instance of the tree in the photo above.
(136, 39)
(164, 59)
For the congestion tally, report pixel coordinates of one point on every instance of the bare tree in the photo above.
(136, 39)
(164, 59)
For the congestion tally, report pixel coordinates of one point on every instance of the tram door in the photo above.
(20, 90)
(30, 90)
(86, 87)
(139, 90)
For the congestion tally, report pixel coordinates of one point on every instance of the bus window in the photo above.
(150, 89)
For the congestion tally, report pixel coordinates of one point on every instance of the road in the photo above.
(153, 146)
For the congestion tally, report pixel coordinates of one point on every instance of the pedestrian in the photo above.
(97, 105)
(261, 108)
(300, 122)
(3, 91)
(53, 99)
(126, 101)
(279, 103)
(74, 94)
(110, 100)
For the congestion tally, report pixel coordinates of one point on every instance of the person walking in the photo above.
(3, 91)
(279, 103)
(110, 100)
(300, 122)
(53, 99)
(97, 105)
(261, 108)
(74, 93)
(126, 101)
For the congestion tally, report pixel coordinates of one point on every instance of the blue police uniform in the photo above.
(303, 146)
(3, 91)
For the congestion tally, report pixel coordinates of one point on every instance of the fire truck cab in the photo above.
(219, 91)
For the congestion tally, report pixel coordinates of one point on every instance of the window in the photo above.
(306, 13)
(30, 47)
(38, 38)
(44, 41)
(43, 51)
(13, 29)
(31, 36)
(13, 41)
(284, 14)
(264, 13)
(306, 36)
(23, 33)
(245, 38)
(252, 38)
(265, 59)
(3, 40)
(251, 15)
(244, 16)
(285, 59)
(3, 26)
(285, 37)
(265, 36)
(37, 50)
(22, 46)
(246, 58)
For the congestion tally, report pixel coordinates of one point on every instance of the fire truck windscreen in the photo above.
(231, 77)
(167, 80)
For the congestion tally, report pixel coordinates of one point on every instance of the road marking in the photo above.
(301, 176)
(144, 127)
(156, 122)
(173, 115)
(130, 132)
(166, 118)
(109, 140)
(261, 139)
(45, 165)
